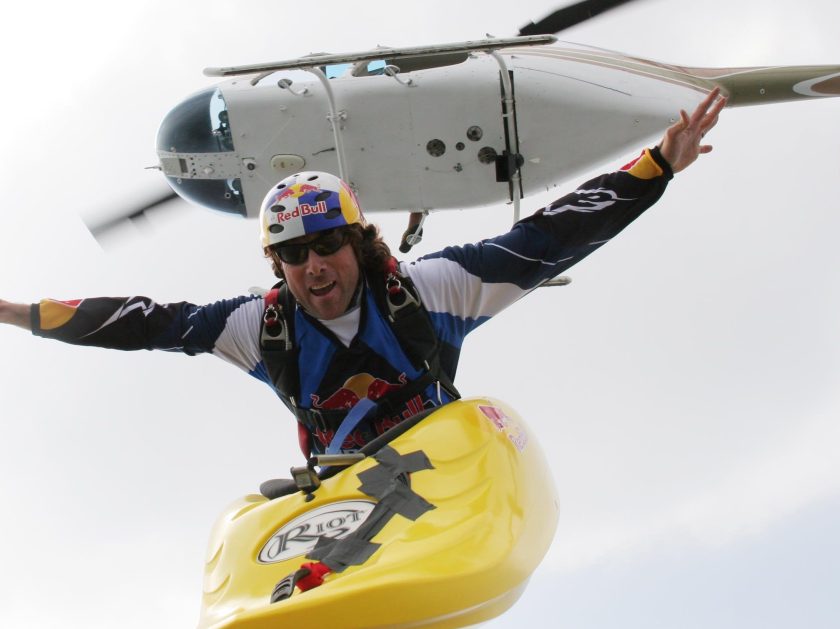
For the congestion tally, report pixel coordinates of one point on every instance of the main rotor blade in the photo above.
(569, 16)
(101, 227)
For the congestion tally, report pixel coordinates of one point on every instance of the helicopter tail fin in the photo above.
(755, 86)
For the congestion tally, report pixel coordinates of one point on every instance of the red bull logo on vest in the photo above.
(303, 209)
(362, 385)
(355, 388)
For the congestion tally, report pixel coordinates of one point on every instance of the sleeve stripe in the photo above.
(519, 255)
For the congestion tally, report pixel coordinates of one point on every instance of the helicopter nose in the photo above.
(196, 153)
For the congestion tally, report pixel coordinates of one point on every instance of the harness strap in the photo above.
(413, 327)
(277, 345)
(361, 410)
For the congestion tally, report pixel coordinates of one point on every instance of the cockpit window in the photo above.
(200, 124)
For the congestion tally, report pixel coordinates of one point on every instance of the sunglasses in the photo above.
(326, 244)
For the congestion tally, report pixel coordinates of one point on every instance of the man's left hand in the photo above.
(681, 144)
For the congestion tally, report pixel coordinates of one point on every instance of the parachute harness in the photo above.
(398, 300)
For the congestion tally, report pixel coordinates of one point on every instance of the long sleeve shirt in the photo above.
(461, 287)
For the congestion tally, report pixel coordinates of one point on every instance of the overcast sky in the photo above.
(685, 386)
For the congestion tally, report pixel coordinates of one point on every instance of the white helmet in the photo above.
(307, 203)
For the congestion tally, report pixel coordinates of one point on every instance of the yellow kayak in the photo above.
(441, 526)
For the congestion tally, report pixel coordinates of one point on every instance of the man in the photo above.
(342, 341)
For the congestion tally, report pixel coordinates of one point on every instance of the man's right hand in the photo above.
(15, 314)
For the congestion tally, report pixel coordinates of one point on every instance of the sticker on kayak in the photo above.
(506, 424)
(298, 537)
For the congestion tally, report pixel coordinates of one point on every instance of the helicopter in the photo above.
(732, 125)
(445, 126)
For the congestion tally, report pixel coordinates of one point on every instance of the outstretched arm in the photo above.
(15, 314)
(480, 280)
(681, 144)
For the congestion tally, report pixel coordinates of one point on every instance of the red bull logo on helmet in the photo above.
(296, 191)
(303, 209)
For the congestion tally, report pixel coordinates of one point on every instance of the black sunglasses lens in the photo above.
(294, 254)
(325, 245)
(328, 244)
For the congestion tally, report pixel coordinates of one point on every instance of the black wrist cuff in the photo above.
(656, 154)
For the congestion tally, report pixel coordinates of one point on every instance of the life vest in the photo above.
(398, 302)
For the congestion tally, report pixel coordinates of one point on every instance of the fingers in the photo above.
(706, 115)
(678, 127)
(682, 141)
(711, 118)
(702, 109)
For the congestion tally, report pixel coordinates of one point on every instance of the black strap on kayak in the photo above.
(388, 483)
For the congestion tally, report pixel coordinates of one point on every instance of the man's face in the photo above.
(324, 285)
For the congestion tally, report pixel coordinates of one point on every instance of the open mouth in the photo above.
(320, 291)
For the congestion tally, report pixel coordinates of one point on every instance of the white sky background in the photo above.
(685, 386)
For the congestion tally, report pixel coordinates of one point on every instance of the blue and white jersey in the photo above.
(460, 286)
